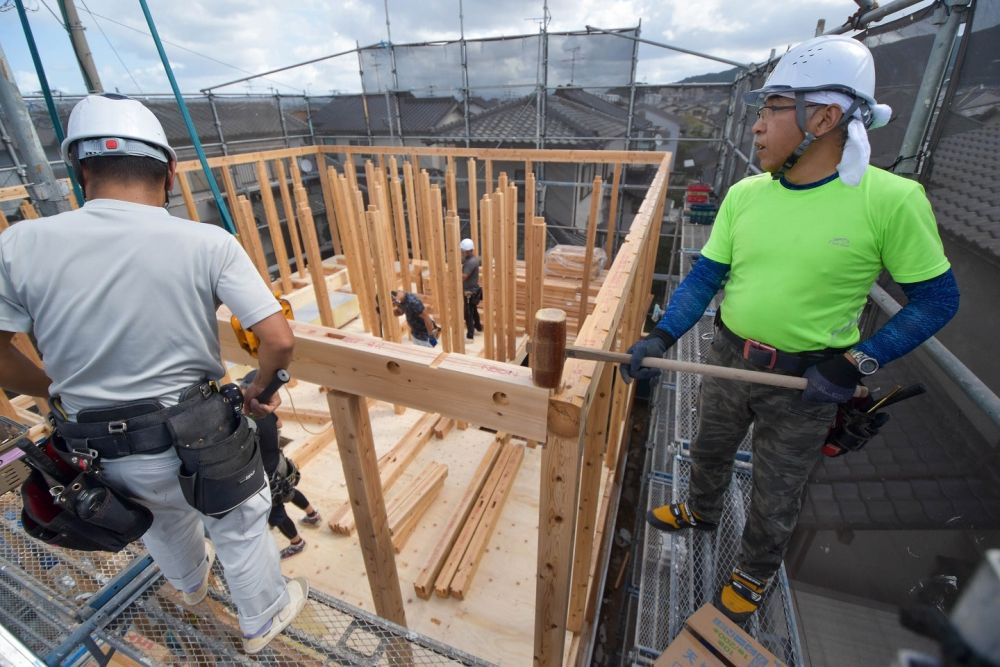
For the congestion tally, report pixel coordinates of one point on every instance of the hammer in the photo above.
(549, 352)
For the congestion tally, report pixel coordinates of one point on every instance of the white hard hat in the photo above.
(113, 124)
(467, 245)
(829, 62)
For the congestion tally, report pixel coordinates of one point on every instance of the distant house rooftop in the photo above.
(345, 115)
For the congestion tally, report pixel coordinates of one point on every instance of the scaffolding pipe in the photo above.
(631, 89)
(281, 120)
(47, 92)
(364, 95)
(218, 124)
(465, 75)
(873, 16)
(227, 221)
(679, 49)
(911, 150)
(42, 186)
(309, 120)
(206, 91)
(968, 382)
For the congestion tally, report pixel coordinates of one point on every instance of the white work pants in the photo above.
(243, 543)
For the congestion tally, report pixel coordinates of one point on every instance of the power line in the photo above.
(184, 48)
(112, 46)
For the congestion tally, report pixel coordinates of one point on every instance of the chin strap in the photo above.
(809, 137)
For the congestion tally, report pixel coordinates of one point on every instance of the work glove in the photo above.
(655, 344)
(831, 381)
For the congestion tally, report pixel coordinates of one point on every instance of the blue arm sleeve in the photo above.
(692, 296)
(932, 303)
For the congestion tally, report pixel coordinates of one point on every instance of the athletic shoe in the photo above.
(197, 595)
(298, 593)
(292, 549)
(676, 517)
(741, 597)
(310, 519)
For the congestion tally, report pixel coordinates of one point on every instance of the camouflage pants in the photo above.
(787, 438)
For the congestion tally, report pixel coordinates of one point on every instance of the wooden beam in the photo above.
(483, 392)
(302, 452)
(511, 154)
(405, 509)
(357, 455)
(491, 516)
(424, 584)
(274, 227)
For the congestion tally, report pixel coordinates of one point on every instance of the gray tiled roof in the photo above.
(345, 114)
(568, 121)
(963, 186)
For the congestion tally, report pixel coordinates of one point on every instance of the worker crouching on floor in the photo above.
(801, 246)
(121, 299)
(423, 329)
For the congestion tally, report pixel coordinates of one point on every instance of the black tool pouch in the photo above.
(83, 514)
(221, 465)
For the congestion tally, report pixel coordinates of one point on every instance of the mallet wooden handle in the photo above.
(773, 379)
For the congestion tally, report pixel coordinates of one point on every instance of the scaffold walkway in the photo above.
(62, 607)
(678, 573)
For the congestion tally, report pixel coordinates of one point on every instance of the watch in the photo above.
(866, 365)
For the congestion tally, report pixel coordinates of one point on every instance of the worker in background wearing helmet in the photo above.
(799, 247)
(471, 290)
(121, 299)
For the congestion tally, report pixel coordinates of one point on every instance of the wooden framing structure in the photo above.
(401, 232)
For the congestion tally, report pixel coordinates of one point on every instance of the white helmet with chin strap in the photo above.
(112, 125)
(829, 63)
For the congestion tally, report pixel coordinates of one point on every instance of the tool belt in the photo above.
(770, 358)
(284, 479)
(220, 458)
(474, 296)
(76, 510)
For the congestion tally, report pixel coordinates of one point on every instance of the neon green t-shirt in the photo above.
(803, 259)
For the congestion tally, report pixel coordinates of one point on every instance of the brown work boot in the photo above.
(741, 597)
(676, 516)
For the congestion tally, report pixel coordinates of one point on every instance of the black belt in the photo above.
(135, 434)
(766, 356)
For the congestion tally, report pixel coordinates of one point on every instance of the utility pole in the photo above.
(45, 191)
(80, 47)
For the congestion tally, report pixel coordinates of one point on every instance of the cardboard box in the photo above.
(709, 639)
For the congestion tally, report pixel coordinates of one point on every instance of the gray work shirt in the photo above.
(122, 299)
(471, 264)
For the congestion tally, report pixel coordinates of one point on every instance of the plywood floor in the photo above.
(495, 621)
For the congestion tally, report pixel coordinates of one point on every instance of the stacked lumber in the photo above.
(569, 261)
(390, 466)
(451, 567)
(405, 508)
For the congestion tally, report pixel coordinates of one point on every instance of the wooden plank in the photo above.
(424, 584)
(442, 585)
(192, 210)
(390, 465)
(405, 514)
(303, 452)
(289, 206)
(443, 427)
(491, 516)
(357, 455)
(315, 261)
(612, 226)
(588, 253)
(274, 227)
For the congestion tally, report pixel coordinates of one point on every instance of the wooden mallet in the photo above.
(549, 351)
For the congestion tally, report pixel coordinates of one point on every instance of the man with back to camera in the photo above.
(801, 245)
(121, 298)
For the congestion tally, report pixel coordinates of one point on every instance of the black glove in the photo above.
(831, 381)
(655, 344)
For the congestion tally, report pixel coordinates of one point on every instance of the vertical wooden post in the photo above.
(353, 252)
(192, 210)
(594, 439)
(499, 279)
(399, 224)
(538, 283)
(455, 283)
(365, 259)
(612, 225)
(510, 235)
(3, 222)
(414, 211)
(274, 227)
(28, 211)
(251, 240)
(230, 186)
(451, 189)
(439, 270)
(289, 206)
(315, 260)
(486, 276)
(327, 186)
(588, 253)
(351, 171)
(473, 194)
(364, 487)
(378, 235)
(488, 186)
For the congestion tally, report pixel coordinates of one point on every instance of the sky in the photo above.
(210, 42)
